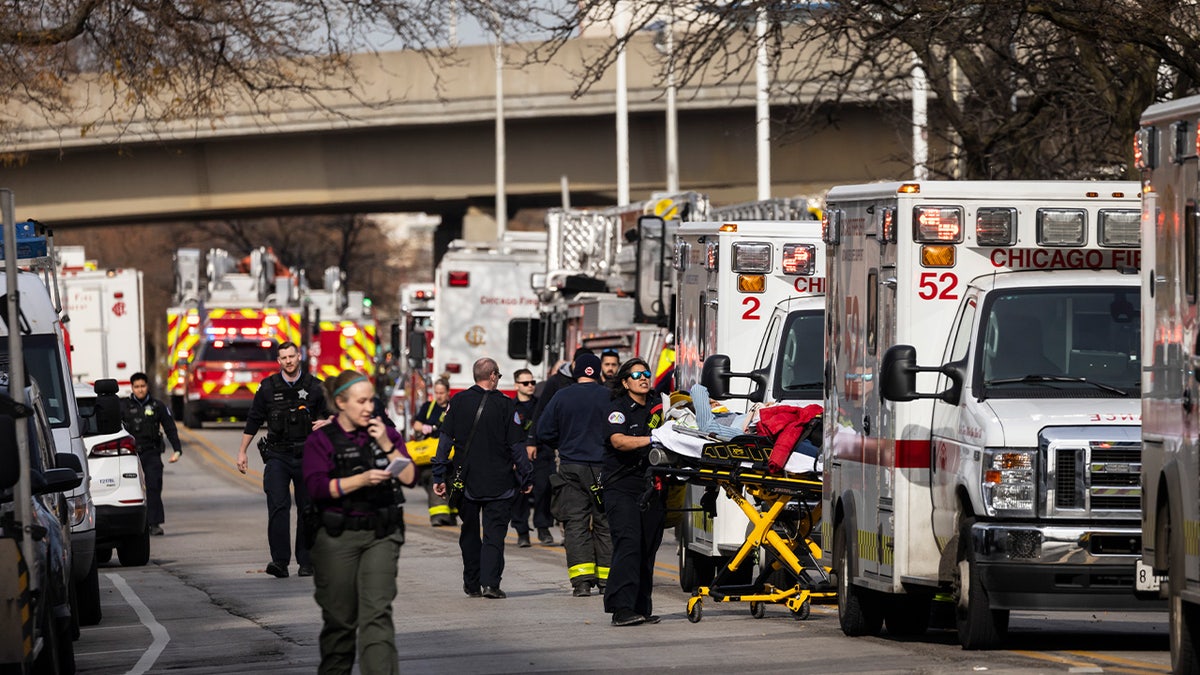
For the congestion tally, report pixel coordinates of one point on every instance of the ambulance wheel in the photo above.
(191, 417)
(695, 610)
(695, 569)
(135, 551)
(859, 612)
(979, 626)
(804, 612)
(757, 609)
(1184, 622)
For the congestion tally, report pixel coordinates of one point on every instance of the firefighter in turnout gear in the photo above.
(146, 418)
(427, 423)
(353, 468)
(292, 404)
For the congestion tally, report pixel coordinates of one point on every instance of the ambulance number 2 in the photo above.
(751, 304)
(938, 286)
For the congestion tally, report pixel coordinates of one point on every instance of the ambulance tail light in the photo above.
(831, 227)
(1120, 229)
(459, 279)
(1061, 227)
(934, 224)
(799, 259)
(751, 257)
(996, 226)
(1009, 481)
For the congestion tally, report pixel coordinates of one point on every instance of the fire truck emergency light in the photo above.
(459, 279)
(932, 224)
(751, 258)
(996, 226)
(349, 331)
(1120, 229)
(799, 259)
(1061, 227)
(272, 320)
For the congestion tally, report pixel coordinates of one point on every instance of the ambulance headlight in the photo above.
(1061, 227)
(937, 224)
(751, 257)
(1120, 229)
(1009, 481)
(996, 226)
(799, 259)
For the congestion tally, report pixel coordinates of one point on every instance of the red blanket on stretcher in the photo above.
(785, 424)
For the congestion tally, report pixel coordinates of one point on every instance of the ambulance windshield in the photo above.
(1061, 343)
(801, 368)
(43, 366)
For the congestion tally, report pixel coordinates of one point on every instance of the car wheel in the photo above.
(89, 597)
(979, 626)
(859, 611)
(135, 551)
(103, 555)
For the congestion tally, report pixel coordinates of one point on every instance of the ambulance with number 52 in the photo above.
(1003, 472)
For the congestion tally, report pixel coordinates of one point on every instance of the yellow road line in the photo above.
(219, 459)
(1123, 661)
(1138, 667)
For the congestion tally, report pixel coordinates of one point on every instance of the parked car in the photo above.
(45, 615)
(118, 483)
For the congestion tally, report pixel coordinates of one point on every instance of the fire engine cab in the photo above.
(1005, 472)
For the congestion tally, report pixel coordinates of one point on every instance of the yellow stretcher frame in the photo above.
(773, 494)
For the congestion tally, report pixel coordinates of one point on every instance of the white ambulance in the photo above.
(1005, 471)
(105, 328)
(731, 278)
(1166, 154)
(480, 289)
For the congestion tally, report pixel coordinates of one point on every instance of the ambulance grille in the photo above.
(1094, 478)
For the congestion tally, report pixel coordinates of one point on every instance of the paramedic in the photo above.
(637, 530)
(574, 423)
(291, 403)
(143, 416)
(359, 530)
(525, 403)
(426, 424)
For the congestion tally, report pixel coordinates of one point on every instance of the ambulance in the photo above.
(105, 327)
(1166, 152)
(480, 288)
(1004, 471)
(413, 349)
(731, 278)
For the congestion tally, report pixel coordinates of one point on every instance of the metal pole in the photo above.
(920, 129)
(762, 121)
(16, 377)
(565, 186)
(501, 198)
(621, 26)
(672, 121)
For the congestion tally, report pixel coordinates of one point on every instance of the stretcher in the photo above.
(784, 510)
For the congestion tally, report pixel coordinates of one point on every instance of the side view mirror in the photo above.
(58, 480)
(898, 376)
(107, 410)
(715, 376)
(68, 460)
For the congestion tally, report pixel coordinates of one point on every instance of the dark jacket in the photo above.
(574, 422)
(143, 418)
(552, 385)
(310, 394)
(497, 445)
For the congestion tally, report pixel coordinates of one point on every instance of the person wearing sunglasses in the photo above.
(525, 403)
(636, 531)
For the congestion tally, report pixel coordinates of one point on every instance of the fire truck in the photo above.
(245, 305)
(1005, 473)
(343, 331)
(105, 327)
(414, 349)
(1166, 152)
(480, 288)
(731, 277)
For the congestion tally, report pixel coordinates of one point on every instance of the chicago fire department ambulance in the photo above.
(1166, 153)
(1007, 473)
(480, 289)
(731, 276)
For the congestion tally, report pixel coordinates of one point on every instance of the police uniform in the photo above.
(355, 549)
(288, 410)
(440, 512)
(636, 532)
(143, 419)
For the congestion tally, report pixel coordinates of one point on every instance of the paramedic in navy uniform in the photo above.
(292, 404)
(143, 415)
(636, 532)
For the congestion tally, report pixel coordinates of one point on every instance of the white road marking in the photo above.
(161, 638)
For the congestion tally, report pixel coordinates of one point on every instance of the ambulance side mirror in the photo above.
(107, 410)
(715, 377)
(10, 462)
(898, 376)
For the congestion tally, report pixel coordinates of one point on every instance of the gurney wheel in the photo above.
(804, 612)
(695, 610)
(757, 609)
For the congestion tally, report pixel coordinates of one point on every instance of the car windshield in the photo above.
(44, 367)
(1060, 343)
(802, 356)
(236, 350)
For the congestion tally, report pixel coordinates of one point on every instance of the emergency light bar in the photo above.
(751, 257)
(1120, 229)
(29, 244)
(996, 226)
(1061, 227)
(799, 259)
(1145, 147)
(933, 224)
(459, 279)
(887, 226)
(711, 255)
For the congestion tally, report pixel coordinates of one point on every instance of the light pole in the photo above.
(762, 120)
(668, 49)
(920, 124)
(621, 22)
(501, 198)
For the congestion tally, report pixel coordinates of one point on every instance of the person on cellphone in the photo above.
(353, 469)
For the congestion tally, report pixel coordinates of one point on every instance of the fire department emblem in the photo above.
(476, 336)
(119, 309)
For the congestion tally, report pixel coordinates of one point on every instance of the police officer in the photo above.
(292, 404)
(360, 527)
(635, 515)
(143, 417)
(427, 423)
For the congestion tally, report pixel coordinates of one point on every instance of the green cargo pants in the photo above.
(355, 578)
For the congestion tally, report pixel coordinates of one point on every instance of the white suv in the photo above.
(118, 485)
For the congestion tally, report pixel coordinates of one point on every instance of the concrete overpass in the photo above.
(416, 136)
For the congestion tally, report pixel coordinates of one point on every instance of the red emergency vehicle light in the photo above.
(934, 224)
(799, 259)
(459, 279)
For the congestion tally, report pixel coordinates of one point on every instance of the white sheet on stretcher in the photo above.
(690, 445)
